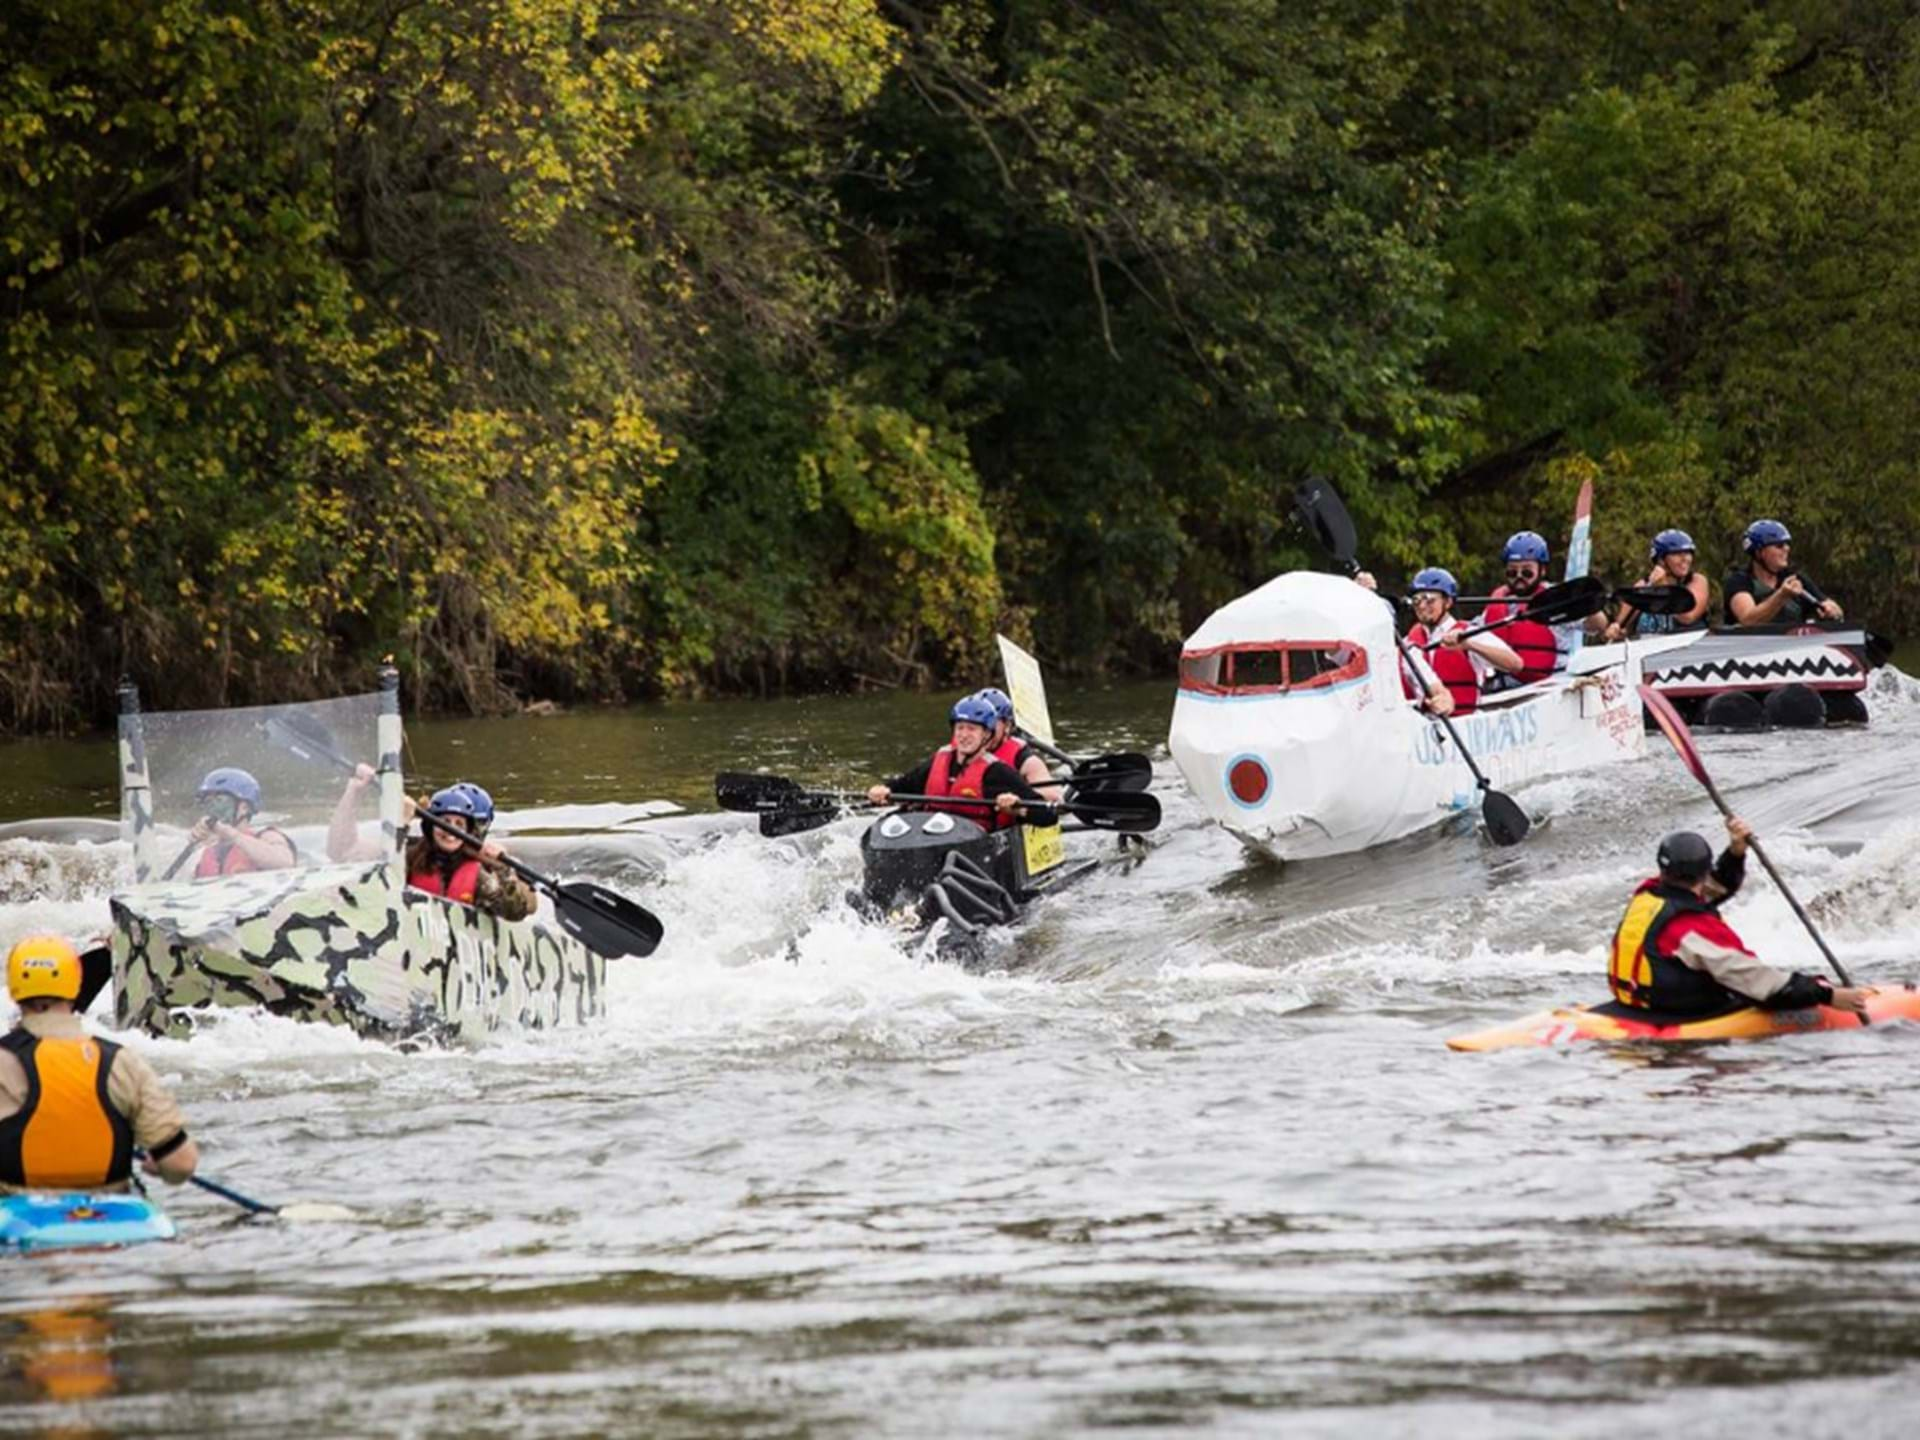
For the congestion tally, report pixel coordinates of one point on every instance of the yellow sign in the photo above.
(1044, 848)
(1028, 690)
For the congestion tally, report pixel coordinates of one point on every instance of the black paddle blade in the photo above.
(798, 819)
(737, 790)
(306, 738)
(1126, 771)
(1507, 823)
(1326, 516)
(1116, 810)
(1657, 599)
(96, 969)
(1572, 601)
(606, 923)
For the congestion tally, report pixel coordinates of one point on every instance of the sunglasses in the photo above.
(1522, 572)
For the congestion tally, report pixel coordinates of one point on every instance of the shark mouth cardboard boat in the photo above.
(1772, 674)
(344, 943)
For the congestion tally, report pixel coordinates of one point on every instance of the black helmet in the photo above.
(1686, 857)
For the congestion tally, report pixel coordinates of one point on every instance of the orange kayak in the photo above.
(1614, 1021)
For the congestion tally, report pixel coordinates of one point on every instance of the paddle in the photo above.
(180, 859)
(1125, 770)
(603, 920)
(1681, 738)
(298, 1210)
(786, 807)
(1326, 515)
(96, 969)
(1576, 599)
(1551, 606)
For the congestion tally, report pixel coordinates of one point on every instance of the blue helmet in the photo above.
(1436, 579)
(1001, 702)
(230, 780)
(973, 710)
(1524, 545)
(1670, 542)
(465, 799)
(1767, 532)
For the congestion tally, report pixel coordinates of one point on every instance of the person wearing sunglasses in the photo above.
(1770, 591)
(1525, 557)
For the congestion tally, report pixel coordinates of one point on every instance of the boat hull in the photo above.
(48, 1220)
(1574, 1023)
(344, 945)
(920, 867)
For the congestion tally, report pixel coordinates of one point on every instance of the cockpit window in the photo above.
(1272, 668)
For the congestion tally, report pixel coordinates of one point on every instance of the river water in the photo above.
(1193, 1157)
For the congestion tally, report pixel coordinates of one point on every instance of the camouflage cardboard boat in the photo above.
(339, 942)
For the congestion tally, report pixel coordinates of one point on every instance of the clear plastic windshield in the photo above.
(242, 790)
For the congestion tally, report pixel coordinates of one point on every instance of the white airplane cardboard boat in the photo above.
(1292, 728)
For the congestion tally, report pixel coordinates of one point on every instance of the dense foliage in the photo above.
(582, 350)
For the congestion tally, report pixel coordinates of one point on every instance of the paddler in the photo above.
(1673, 556)
(1010, 749)
(453, 858)
(1672, 953)
(966, 768)
(73, 1107)
(1459, 662)
(1525, 557)
(229, 798)
(1769, 591)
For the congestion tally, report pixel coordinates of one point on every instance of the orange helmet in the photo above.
(43, 965)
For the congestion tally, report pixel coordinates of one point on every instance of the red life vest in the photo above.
(462, 885)
(1011, 752)
(1455, 669)
(68, 1136)
(1533, 642)
(228, 859)
(971, 781)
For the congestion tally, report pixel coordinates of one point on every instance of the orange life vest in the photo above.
(971, 781)
(462, 885)
(1455, 669)
(67, 1136)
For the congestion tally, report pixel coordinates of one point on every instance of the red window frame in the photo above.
(1354, 668)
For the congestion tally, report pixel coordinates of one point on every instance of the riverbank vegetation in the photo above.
(583, 351)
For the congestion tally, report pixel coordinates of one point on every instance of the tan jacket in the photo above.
(133, 1087)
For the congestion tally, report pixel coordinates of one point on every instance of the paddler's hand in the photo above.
(1440, 702)
(1364, 579)
(1615, 633)
(1006, 802)
(1454, 639)
(491, 853)
(1738, 834)
(202, 830)
(878, 795)
(1852, 999)
(363, 776)
(1830, 610)
(1793, 586)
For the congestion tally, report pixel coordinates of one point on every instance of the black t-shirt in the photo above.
(1797, 611)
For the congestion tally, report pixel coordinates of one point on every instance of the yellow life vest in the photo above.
(68, 1135)
(1640, 971)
